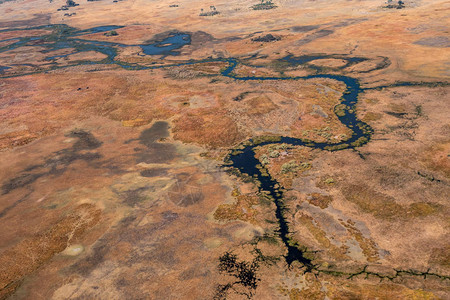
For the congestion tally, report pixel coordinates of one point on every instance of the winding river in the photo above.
(244, 160)
(65, 37)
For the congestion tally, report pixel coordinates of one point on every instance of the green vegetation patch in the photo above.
(265, 138)
(111, 33)
(264, 5)
(340, 110)
(373, 202)
(385, 207)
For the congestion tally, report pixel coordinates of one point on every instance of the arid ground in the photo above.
(224, 149)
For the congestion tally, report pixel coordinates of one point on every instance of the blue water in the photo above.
(103, 28)
(304, 59)
(166, 47)
(2, 68)
(10, 39)
(246, 162)
(65, 37)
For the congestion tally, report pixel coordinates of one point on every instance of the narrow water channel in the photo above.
(246, 162)
(65, 37)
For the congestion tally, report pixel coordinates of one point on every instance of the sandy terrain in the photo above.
(119, 121)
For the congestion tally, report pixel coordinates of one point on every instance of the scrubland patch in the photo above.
(209, 128)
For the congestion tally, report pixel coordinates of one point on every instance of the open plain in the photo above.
(224, 149)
